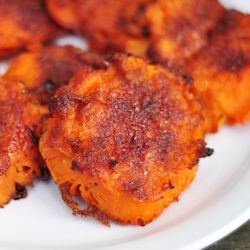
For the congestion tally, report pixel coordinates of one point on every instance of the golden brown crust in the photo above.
(179, 28)
(19, 157)
(221, 72)
(32, 78)
(46, 69)
(91, 211)
(108, 25)
(50, 67)
(130, 135)
(23, 24)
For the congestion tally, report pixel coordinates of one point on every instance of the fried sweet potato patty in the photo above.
(19, 156)
(46, 69)
(25, 95)
(24, 23)
(221, 72)
(108, 25)
(179, 28)
(127, 139)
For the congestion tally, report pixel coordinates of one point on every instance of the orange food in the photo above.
(221, 72)
(108, 25)
(19, 156)
(25, 96)
(126, 139)
(24, 23)
(46, 69)
(180, 28)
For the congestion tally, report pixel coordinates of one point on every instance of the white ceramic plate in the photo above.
(216, 203)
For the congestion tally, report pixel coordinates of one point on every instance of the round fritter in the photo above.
(221, 72)
(108, 25)
(19, 156)
(24, 23)
(179, 28)
(127, 139)
(46, 69)
(32, 78)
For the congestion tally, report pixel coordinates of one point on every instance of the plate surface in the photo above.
(216, 203)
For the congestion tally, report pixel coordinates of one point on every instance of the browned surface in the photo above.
(32, 78)
(157, 28)
(19, 157)
(130, 135)
(90, 211)
(46, 69)
(179, 28)
(24, 23)
(222, 72)
(109, 25)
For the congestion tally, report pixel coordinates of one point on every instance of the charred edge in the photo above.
(97, 214)
(187, 78)
(61, 103)
(171, 185)
(90, 211)
(168, 185)
(153, 54)
(75, 166)
(140, 11)
(47, 87)
(113, 162)
(228, 20)
(45, 174)
(21, 192)
(236, 62)
(184, 76)
(116, 58)
(34, 137)
(64, 101)
(113, 46)
(92, 59)
(64, 188)
(206, 153)
(141, 222)
(46, 91)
